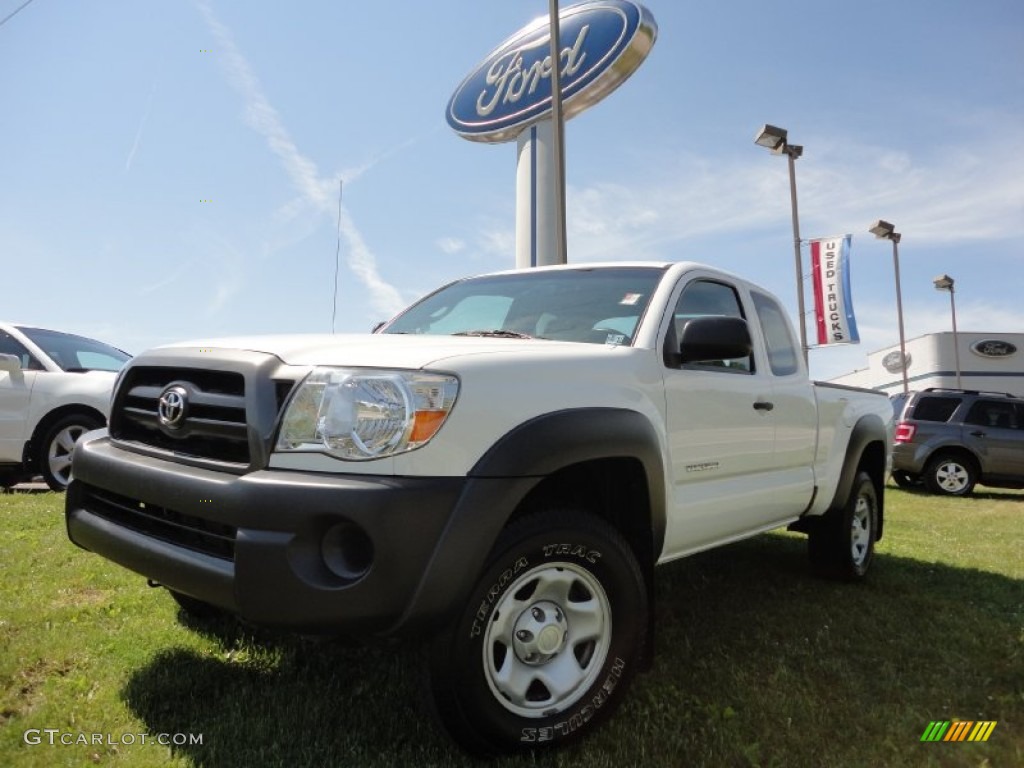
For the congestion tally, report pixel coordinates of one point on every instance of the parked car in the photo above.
(948, 440)
(54, 387)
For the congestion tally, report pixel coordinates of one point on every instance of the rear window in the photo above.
(935, 408)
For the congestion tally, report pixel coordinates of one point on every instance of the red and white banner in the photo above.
(833, 303)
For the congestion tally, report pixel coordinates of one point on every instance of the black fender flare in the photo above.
(869, 429)
(505, 475)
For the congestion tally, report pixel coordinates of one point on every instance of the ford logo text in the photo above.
(993, 348)
(603, 43)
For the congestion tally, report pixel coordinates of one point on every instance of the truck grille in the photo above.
(197, 534)
(213, 424)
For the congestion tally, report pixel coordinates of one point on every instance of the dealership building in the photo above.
(990, 362)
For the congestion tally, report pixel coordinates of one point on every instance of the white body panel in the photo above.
(731, 470)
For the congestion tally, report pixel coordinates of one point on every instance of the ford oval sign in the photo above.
(603, 43)
(993, 348)
(894, 362)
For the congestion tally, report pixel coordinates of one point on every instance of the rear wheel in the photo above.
(57, 445)
(548, 641)
(950, 475)
(842, 545)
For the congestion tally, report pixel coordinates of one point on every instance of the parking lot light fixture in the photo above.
(886, 231)
(776, 139)
(947, 283)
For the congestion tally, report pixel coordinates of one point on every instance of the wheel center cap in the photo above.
(540, 633)
(549, 639)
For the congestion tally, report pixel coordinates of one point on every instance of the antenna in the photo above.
(337, 256)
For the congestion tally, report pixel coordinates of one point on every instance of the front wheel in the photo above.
(842, 544)
(59, 441)
(547, 642)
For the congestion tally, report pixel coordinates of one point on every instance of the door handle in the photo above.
(977, 433)
(763, 405)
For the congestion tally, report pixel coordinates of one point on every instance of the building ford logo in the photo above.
(603, 43)
(893, 362)
(993, 348)
(172, 407)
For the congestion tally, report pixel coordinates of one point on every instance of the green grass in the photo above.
(757, 663)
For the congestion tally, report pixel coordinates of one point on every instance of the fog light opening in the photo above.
(347, 551)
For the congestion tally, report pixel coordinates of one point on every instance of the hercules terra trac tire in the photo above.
(842, 545)
(548, 641)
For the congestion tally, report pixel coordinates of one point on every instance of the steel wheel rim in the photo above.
(545, 674)
(860, 530)
(951, 476)
(58, 456)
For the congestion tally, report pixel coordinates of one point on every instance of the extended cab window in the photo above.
(702, 298)
(782, 355)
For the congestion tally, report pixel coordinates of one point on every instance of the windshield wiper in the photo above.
(498, 333)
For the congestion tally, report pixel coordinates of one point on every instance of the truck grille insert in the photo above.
(213, 424)
(197, 534)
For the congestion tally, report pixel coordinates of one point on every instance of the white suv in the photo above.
(54, 387)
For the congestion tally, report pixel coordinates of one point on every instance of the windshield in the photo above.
(593, 306)
(77, 353)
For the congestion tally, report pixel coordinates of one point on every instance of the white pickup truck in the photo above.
(501, 466)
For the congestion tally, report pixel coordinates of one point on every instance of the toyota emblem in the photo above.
(172, 407)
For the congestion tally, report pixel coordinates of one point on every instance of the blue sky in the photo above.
(119, 119)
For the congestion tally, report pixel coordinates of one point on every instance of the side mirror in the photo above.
(715, 337)
(378, 326)
(10, 363)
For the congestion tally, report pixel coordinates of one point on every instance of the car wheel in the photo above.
(905, 479)
(950, 475)
(842, 545)
(55, 451)
(548, 641)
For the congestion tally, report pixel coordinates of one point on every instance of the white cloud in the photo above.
(450, 245)
(142, 125)
(316, 191)
(952, 197)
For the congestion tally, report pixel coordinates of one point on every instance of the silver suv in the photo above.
(950, 439)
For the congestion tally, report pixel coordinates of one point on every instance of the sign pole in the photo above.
(558, 145)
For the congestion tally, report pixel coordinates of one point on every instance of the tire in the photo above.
(842, 545)
(548, 640)
(950, 475)
(905, 479)
(59, 441)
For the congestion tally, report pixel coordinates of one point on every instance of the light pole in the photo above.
(945, 283)
(774, 138)
(886, 231)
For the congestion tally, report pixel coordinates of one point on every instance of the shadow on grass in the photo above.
(756, 664)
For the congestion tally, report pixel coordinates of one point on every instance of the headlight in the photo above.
(366, 414)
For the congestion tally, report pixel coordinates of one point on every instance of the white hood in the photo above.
(384, 350)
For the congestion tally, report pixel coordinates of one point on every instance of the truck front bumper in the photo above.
(308, 551)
